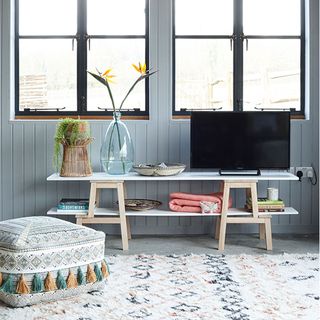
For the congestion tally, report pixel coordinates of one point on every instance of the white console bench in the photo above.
(101, 180)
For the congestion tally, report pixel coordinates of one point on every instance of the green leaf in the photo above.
(105, 83)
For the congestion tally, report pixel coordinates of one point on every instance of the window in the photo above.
(56, 42)
(238, 55)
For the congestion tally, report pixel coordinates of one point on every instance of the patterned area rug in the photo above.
(191, 287)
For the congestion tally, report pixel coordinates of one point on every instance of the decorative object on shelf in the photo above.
(116, 154)
(273, 194)
(74, 136)
(51, 252)
(266, 205)
(209, 206)
(161, 169)
(188, 202)
(141, 204)
(77, 205)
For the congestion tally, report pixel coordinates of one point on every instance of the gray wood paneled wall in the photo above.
(27, 146)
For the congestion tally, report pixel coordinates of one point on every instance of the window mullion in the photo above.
(82, 57)
(238, 55)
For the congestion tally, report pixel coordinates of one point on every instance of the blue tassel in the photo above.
(7, 285)
(37, 284)
(98, 273)
(60, 281)
(80, 277)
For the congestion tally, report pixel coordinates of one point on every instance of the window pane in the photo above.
(203, 17)
(47, 17)
(47, 74)
(203, 74)
(118, 54)
(272, 74)
(271, 17)
(116, 17)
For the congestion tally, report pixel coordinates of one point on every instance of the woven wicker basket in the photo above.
(75, 162)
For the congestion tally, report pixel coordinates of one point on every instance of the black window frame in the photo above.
(82, 41)
(238, 38)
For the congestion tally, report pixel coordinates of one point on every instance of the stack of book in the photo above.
(73, 205)
(266, 205)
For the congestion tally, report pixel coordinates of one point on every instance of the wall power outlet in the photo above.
(307, 172)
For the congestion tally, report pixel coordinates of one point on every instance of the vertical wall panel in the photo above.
(40, 162)
(18, 176)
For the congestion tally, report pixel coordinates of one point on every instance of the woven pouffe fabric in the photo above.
(45, 259)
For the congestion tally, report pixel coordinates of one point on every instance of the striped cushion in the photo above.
(43, 259)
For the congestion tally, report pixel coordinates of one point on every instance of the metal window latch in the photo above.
(43, 109)
(88, 38)
(125, 110)
(243, 37)
(276, 109)
(232, 38)
(199, 109)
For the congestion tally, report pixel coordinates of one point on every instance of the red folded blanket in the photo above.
(188, 202)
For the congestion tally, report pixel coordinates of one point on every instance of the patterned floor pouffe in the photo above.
(45, 259)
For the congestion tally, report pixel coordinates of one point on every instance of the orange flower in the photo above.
(107, 76)
(142, 69)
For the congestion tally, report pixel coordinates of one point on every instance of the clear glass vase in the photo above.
(116, 154)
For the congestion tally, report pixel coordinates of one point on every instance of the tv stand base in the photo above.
(239, 172)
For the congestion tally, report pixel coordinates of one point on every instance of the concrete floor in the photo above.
(235, 244)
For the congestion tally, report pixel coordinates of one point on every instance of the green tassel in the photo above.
(37, 284)
(60, 281)
(80, 277)
(107, 265)
(98, 273)
(7, 285)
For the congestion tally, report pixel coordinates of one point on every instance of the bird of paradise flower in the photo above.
(106, 78)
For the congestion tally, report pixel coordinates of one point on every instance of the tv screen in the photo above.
(240, 140)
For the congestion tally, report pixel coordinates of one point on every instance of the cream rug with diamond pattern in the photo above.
(191, 287)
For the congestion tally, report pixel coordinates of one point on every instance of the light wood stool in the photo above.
(121, 219)
(263, 221)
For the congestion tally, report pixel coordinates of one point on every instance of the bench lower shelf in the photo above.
(166, 213)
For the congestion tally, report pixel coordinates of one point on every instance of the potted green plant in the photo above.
(74, 136)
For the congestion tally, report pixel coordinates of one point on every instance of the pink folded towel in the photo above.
(188, 202)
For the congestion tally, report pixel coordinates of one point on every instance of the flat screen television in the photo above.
(240, 140)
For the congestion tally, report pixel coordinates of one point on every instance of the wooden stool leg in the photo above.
(98, 193)
(79, 221)
(128, 228)
(262, 231)
(223, 220)
(123, 220)
(217, 230)
(128, 220)
(268, 233)
(92, 199)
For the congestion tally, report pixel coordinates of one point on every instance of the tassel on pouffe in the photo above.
(49, 283)
(98, 273)
(71, 280)
(7, 285)
(91, 276)
(60, 281)
(104, 269)
(1, 279)
(80, 277)
(22, 286)
(37, 284)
